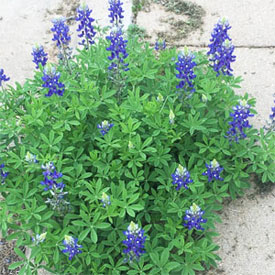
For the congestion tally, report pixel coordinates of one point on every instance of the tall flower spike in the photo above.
(116, 12)
(61, 32)
(240, 121)
(181, 178)
(51, 81)
(3, 174)
(105, 127)
(193, 218)
(50, 177)
(221, 49)
(71, 246)
(3, 77)
(118, 50)
(135, 240)
(185, 67)
(39, 56)
(85, 27)
(213, 171)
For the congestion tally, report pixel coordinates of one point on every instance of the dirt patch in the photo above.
(172, 20)
(66, 8)
(7, 257)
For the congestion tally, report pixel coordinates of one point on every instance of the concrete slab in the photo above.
(251, 20)
(247, 237)
(24, 23)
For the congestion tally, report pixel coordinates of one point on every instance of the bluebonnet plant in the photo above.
(105, 199)
(71, 246)
(185, 67)
(181, 178)
(30, 158)
(50, 176)
(3, 174)
(213, 171)
(39, 56)
(105, 127)
(272, 116)
(221, 49)
(85, 27)
(3, 77)
(135, 240)
(39, 238)
(160, 45)
(60, 32)
(51, 81)
(240, 121)
(193, 218)
(118, 50)
(116, 12)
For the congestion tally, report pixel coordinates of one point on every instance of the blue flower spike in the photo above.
(51, 81)
(117, 50)
(50, 177)
(105, 199)
(71, 246)
(3, 174)
(61, 32)
(160, 45)
(39, 56)
(240, 121)
(181, 178)
(85, 27)
(116, 12)
(135, 240)
(105, 127)
(39, 238)
(213, 171)
(185, 67)
(221, 49)
(193, 218)
(3, 77)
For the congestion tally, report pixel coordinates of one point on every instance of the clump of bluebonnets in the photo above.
(185, 67)
(181, 178)
(221, 49)
(193, 218)
(50, 177)
(3, 77)
(3, 174)
(213, 171)
(105, 127)
(135, 241)
(240, 121)
(51, 81)
(85, 27)
(116, 12)
(72, 247)
(39, 56)
(160, 45)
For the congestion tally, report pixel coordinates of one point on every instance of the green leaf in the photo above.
(15, 265)
(93, 235)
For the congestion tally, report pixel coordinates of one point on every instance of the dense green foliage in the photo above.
(132, 163)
